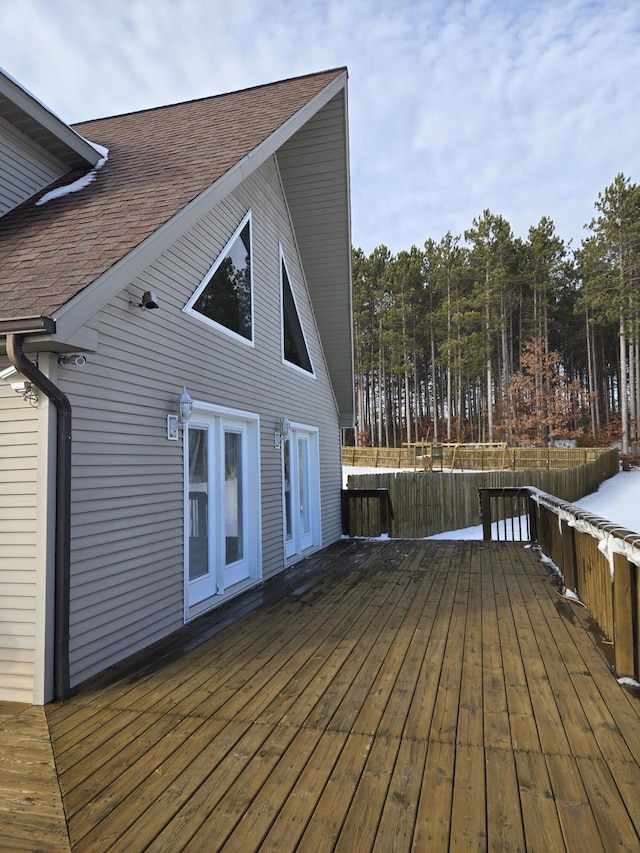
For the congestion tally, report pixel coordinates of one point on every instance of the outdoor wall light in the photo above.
(8, 373)
(26, 389)
(149, 301)
(283, 433)
(184, 411)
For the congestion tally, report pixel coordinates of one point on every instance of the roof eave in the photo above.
(78, 310)
(27, 326)
(35, 116)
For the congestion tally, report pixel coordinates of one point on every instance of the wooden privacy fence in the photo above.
(471, 457)
(425, 503)
(598, 560)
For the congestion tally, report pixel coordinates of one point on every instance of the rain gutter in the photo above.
(63, 510)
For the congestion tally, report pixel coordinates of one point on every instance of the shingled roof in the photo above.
(159, 161)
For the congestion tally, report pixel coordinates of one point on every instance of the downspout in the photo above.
(63, 510)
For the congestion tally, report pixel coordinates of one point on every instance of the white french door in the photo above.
(301, 491)
(221, 505)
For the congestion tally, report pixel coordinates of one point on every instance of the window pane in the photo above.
(198, 504)
(233, 496)
(227, 297)
(295, 349)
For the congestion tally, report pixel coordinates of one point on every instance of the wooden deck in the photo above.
(412, 695)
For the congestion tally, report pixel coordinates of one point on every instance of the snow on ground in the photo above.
(617, 500)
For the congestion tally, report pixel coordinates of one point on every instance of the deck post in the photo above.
(346, 512)
(623, 621)
(485, 513)
(533, 520)
(569, 557)
(384, 512)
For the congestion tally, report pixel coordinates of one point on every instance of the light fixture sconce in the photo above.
(8, 373)
(174, 422)
(27, 391)
(149, 301)
(283, 433)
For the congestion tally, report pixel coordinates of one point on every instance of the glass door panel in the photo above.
(221, 505)
(301, 492)
(288, 519)
(200, 570)
(198, 504)
(234, 500)
(233, 497)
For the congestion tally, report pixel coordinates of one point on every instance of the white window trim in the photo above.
(309, 374)
(253, 420)
(188, 308)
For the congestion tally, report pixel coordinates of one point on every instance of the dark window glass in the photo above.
(227, 297)
(295, 349)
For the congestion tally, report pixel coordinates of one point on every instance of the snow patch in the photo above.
(82, 182)
(630, 682)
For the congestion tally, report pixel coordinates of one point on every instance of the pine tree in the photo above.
(611, 262)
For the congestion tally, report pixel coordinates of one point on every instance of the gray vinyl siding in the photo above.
(18, 546)
(25, 168)
(314, 170)
(127, 513)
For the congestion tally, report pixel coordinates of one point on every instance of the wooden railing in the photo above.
(428, 502)
(598, 561)
(508, 514)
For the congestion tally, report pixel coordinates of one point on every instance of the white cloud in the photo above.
(526, 108)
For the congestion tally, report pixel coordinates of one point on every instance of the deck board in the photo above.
(31, 810)
(400, 695)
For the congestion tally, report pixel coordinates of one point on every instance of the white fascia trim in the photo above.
(349, 262)
(36, 110)
(89, 301)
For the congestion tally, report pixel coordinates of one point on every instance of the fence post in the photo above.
(623, 628)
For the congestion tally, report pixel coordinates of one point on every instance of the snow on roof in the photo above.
(81, 182)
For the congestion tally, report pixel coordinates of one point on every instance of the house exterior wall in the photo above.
(314, 173)
(25, 168)
(127, 509)
(19, 426)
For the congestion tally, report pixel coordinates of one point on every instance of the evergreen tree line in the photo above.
(489, 337)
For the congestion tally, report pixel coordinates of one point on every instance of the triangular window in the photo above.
(224, 298)
(293, 342)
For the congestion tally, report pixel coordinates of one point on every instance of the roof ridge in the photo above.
(336, 71)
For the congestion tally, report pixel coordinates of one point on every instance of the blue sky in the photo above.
(526, 107)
